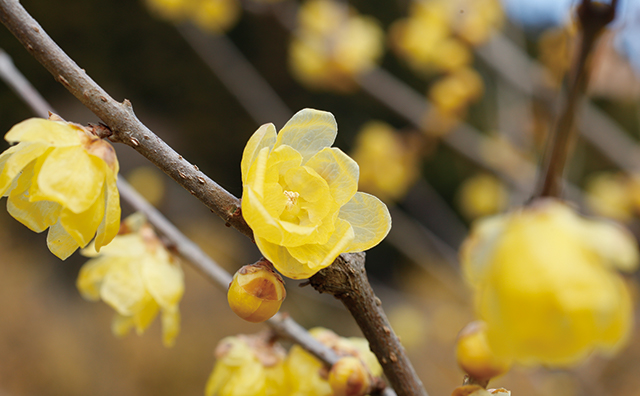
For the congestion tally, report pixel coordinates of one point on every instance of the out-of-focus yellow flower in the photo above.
(476, 20)
(609, 195)
(138, 277)
(388, 165)
(216, 16)
(457, 90)
(256, 292)
(477, 390)
(349, 377)
(149, 182)
(62, 177)
(300, 196)
(482, 195)
(545, 283)
(247, 366)
(475, 356)
(308, 376)
(333, 45)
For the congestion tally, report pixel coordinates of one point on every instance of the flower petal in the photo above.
(60, 243)
(123, 289)
(369, 218)
(52, 133)
(284, 262)
(82, 226)
(35, 215)
(70, 177)
(110, 225)
(316, 256)
(339, 170)
(309, 131)
(170, 326)
(15, 159)
(126, 245)
(145, 315)
(259, 218)
(164, 281)
(265, 136)
(92, 274)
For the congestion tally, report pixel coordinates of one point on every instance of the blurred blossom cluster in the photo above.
(333, 44)
(258, 365)
(215, 16)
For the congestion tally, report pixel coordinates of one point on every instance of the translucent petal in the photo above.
(339, 170)
(15, 159)
(127, 245)
(82, 226)
(614, 244)
(52, 133)
(170, 325)
(38, 216)
(145, 315)
(60, 243)
(123, 289)
(317, 257)
(257, 172)
(280, 161)
(70, 177)
(284, 262)
(259, 218)
(110, 224)
(93, 272)
(265, 136)
(165, 281)
(369, 218)
(309, 131)
(315, 196)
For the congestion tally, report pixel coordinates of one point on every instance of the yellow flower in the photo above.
(333, 44)
(138, 277)
(482, 195)
(216, 16)
(60, 176)
(545, 283)
(610, 195)
(300, 196)
(247, 366)
(475, 356)
(308, 376)
(388, 165)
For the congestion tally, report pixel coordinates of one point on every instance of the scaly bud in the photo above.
(256, 292)
(474, 355)
(349, 377)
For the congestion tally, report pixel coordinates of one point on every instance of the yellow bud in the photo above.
(474, 355)
(256, 292)
(349, 377)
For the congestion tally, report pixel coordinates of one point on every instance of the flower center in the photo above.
(292, 198)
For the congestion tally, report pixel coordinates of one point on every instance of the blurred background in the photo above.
(444, 104)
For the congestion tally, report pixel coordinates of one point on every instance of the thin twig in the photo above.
(593, 18)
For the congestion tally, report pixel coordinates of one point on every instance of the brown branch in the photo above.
(592, 17)
(127, 129)
(348, 282)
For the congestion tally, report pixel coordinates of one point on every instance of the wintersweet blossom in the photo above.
(545, 283)
(62, 177)
(215, 16)
(138, 277)
(300, 196)
(248, 365)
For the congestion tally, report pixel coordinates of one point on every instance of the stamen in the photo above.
(292, 198)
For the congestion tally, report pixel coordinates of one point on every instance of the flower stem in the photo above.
(592, 19)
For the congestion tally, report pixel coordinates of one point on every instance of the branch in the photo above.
(593, 18)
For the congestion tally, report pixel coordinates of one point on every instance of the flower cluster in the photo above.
(545, 283)
(138, 277)
(62, 177)
(255, 365)
(300, 196)
(332, 45)
(216, 16)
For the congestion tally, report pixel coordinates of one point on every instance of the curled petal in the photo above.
(57, 134)
(265, 136)
(369, 218)
(339, 170)
(15, 159)
(316, 256)
(309, 131)
(108, 228)
(170, 325)
(259, 218)
(92, 273)
(82, 226)
(145, 315)
(35, 215)
(284, 262)
(164, 281)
